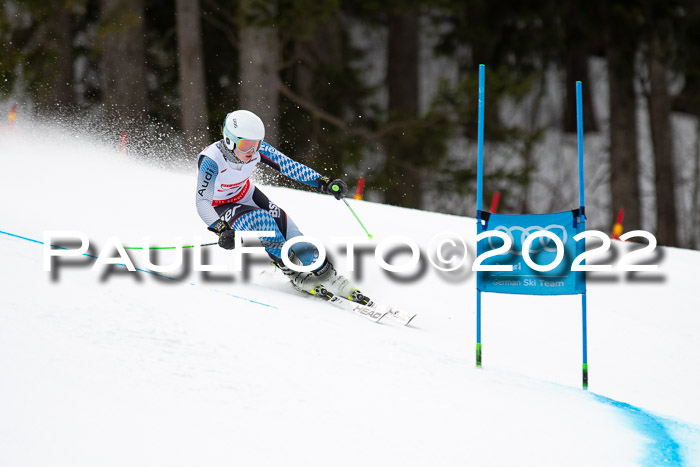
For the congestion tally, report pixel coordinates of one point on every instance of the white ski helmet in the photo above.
(242, 125)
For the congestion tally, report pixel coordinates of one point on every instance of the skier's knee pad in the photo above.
(305, 252)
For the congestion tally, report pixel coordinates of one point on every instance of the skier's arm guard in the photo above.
(292, 169)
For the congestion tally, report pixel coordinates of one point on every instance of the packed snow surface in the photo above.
(111, 367)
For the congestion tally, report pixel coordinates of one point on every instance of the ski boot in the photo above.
(343, 287)
(324, 281)
(340, 285)
(307, 282)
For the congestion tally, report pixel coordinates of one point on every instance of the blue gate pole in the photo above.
(478, 328)
(585, 343)
(480, 150)
(479, 201)
(582, 204)
(579, 124)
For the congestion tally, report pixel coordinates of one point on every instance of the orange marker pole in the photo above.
(617, 228)
(13, 116)
(122, 142)
(360, 188)
(494, 202)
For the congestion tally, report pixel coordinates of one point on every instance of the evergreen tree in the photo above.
(123, 66)
(659, 52)
(191, 72)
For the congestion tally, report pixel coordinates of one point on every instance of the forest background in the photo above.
(387, 91)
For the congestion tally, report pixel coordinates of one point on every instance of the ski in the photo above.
(374, 311)
(321, 293)
(372, 314)
(401, 316)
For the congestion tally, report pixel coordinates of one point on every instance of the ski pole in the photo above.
(358, 219)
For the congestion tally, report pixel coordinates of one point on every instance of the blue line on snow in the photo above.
(140, 270)
(663, 449)
(23, 238)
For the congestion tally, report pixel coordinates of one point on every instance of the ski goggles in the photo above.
(247, 145)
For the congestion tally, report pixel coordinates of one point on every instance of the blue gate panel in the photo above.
(523, 279)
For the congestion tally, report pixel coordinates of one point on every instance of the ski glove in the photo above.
(336, 187)
(227, 237)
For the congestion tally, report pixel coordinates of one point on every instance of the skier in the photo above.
(227, 201)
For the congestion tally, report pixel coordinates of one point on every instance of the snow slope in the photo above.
(110, 367)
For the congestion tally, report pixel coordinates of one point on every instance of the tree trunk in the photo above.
(59, 97)
(191, 69)
(695, 203)
(124, 91)
(661, 136)
(624, 167)
(577, 70)
(405, 181)
(259, 65)
(324, 49)
(578, 44)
